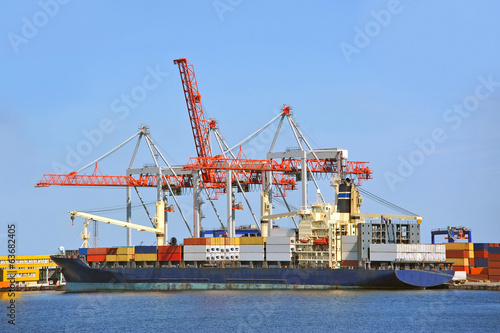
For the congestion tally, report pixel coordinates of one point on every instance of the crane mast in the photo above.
(199, 125)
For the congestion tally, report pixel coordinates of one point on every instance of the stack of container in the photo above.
(252, 248)
(479, 267)
(459, 254)
(408, 253)
(169, 253)
(97, 254)
(146, 253)
(280, 248)
(494, 261)
(350, 251)
(197, 249)
(125, 253)
(111, 254)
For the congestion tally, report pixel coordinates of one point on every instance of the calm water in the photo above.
(257, 311)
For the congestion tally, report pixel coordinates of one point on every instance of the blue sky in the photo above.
(411, 87)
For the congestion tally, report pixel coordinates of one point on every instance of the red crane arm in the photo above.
(199, 125)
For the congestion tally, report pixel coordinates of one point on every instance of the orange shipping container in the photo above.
(477, 276)
(96, 257)
(494, 271)
(98, 250)
(170, 249)
(494, 277)
(197, 241)
(479, 270)
(169, 257)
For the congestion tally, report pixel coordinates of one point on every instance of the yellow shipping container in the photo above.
(218, 241)
(146, 257)
(460, 246)
(125, 250)
(252, 240)
(111, 257)
(124, 257)
(458, 261)
(236, 241)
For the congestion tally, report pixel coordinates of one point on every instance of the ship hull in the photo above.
(81, 278)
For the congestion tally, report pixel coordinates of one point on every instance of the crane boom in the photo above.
(199, 125)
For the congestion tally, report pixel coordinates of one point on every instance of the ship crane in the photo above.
(159, 230)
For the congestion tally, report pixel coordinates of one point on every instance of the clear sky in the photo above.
(413, 87)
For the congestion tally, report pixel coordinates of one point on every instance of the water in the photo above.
(256, 311)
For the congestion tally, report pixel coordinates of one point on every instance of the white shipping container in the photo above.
(383, 256)
(196, 248)
(249, 256)
(349, 239)
(195, 256)
(278, 240)
(252, 248)
(279, 248)
(349, 247)
(390, 248)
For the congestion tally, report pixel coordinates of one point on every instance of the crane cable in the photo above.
(386, 203)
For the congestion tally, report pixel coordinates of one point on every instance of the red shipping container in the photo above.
(170, 249)
(494, 257)
(197, 241)
(96, 257)
(480, 254)
(493, 245)
(493, 263)
(461, 268)
(457, 254)
(479, 270)
(170, 257)
(98, 250)
(472, 262)
(494, 271)
(477, 276)
(494, 277)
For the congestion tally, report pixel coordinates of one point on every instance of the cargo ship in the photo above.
(333, 245)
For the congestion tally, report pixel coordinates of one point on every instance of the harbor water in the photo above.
(256, 311)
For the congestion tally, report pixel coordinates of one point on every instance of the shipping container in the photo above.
(383, 256)
(477, 276)
(461, 268)
(472, 262)
(480, 247)
(197, 241)
(124, 257)
(111, 250)
(350, 263)
(458, 261)
(494, 271)
(195, 256)
(479, 270)
(494, 256)
(252, 240)
(480, 254)
(218, 241)
(197, 248)
(481, 262)
(251, 256)
(457, 254)
(169, 257)
(124, 250)
(495, 278)
(460, 246)
(146, 249)
(96, 257)
(82, 251)
(252, 248)
(111, 257)
(493, 263)
(390, 248)
(493, 250)
(98, 250)
(170, 249)
(146, 257)
(349, 256)
(273, 248)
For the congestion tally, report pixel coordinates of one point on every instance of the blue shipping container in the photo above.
(495, 250)
(480, 246)
(482, 262)
(83, 250)
(146, 249)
